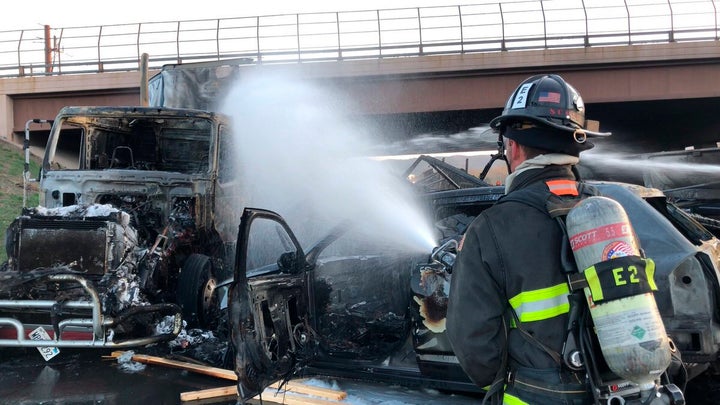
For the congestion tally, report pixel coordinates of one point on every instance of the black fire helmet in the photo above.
(547, 113)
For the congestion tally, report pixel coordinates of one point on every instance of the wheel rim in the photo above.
(207, 294)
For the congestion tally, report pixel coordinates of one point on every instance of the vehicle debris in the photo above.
(293, 387)
(135, 204)
(288, 320)
(135, 243)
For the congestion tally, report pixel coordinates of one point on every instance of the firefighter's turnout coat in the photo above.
(510, 261)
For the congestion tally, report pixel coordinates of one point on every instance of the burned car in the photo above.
(132, 230)
(380, 313)
(686, 177)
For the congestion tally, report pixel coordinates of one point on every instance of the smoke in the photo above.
(300, 154)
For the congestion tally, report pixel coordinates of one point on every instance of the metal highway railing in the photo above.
(488, 27)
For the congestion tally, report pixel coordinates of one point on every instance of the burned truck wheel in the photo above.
(195, 292)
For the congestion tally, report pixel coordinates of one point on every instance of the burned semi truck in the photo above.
(136, 224)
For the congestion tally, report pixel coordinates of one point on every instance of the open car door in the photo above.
(269, 302)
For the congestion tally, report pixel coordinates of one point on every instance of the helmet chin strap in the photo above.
(496, 156)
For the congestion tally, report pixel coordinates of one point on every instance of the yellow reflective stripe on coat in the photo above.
(508, 399)
(545, 303)
(512, 400)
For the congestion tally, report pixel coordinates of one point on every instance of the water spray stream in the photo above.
(300, 154)
(658, 172)
(476, 138)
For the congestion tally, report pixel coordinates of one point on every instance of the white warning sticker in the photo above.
(47, 352)
(521, 96)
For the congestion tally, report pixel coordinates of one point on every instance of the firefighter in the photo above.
(508, 307)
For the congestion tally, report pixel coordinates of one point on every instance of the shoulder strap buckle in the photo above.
(577, 281)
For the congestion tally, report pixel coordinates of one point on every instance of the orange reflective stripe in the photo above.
(562, 187)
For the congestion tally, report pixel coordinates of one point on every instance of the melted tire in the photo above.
(195, 291)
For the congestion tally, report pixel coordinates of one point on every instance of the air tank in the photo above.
(630, 330)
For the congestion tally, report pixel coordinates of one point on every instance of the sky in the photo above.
(79, 13)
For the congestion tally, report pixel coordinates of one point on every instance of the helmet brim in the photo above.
(498, 122)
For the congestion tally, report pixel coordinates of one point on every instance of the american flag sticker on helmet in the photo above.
(549, 97)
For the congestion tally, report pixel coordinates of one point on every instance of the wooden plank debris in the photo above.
(270, 396)
(293, 399)
(301, 388)
(206, 370)
(217, 393)
(286, 394)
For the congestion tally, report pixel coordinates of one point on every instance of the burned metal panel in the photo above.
(90, 240)
(161, 154)
(362, 304)
(81, 248)
(429, 174)
(179, 140)
(271, 332)
(197, 85)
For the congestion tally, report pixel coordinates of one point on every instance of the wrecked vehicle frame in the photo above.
(381, 315)
(131, 232)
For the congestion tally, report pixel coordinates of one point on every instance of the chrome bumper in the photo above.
(95, 324)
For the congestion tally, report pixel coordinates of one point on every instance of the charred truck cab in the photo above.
(136, 223)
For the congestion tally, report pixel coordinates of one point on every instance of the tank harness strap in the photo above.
(620, 277)
(552, 197)
(557, 357)
(538, 197)
(633, 274)
(493, 396)
(556, 198)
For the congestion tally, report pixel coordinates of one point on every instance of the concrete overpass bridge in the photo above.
(654, 88)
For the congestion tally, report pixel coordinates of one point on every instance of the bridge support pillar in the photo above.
(6, 117)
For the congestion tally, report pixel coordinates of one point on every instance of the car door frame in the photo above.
(270, 311)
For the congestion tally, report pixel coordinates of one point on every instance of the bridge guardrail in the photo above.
(314, 37)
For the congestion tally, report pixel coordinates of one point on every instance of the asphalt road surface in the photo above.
(89, 377)
(86, 377)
